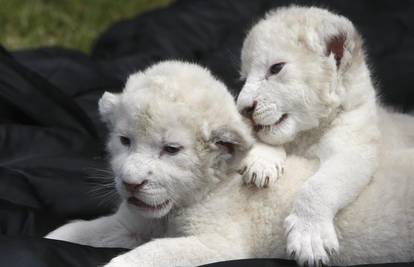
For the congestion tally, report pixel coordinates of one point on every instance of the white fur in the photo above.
(332, 115)
(171, 103)
(236, 221)
(223, 219)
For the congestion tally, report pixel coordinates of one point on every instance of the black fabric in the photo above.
(24, 251)
(51, 139)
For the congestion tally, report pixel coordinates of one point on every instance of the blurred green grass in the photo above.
(68, 23)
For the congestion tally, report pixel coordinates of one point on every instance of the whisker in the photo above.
(108, 198)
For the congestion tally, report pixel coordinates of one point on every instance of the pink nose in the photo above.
(133, 188)
(248, 111)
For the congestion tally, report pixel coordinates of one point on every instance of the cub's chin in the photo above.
(150, 210)
(282, 132)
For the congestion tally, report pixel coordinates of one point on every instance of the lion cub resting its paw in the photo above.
(175, 141)
(309, 89)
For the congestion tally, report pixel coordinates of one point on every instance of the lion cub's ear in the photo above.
(231, 141)
(345, 47)
(335, 45)
(106, 105)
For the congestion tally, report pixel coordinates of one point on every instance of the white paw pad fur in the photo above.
(309, 242)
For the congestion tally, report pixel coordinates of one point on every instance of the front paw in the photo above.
(310, 242)
(262, 169)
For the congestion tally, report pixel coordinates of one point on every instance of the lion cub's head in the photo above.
(297, 62)
(173, 131)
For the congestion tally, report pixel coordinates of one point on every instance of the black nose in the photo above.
(133, 188)
(248, 111)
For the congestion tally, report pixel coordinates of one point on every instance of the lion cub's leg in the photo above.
(263, 165)
(122, 229)
(193, 250)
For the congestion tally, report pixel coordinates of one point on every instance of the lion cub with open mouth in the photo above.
(309, 89)
(175, 141)
(170, 142)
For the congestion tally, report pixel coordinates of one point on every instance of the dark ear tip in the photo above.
(336, 45)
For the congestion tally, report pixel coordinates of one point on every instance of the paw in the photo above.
(261, 172)
(310, 242)
(262, 167)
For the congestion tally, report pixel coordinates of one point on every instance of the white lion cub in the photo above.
(170, 141)
(176, 139)
(309, 89)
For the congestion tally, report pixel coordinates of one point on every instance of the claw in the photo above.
(321, 264)
(306, 264)
(243, 170)
(292, 255)
(288, 230)
(254, 175)
(266, 183)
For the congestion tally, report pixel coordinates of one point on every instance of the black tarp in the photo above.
(51, 139)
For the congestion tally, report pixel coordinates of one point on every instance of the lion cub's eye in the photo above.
(125, 140)
(171, 149)
(276, 68)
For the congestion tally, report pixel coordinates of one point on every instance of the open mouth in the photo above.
(141, 204)
(259, 127)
